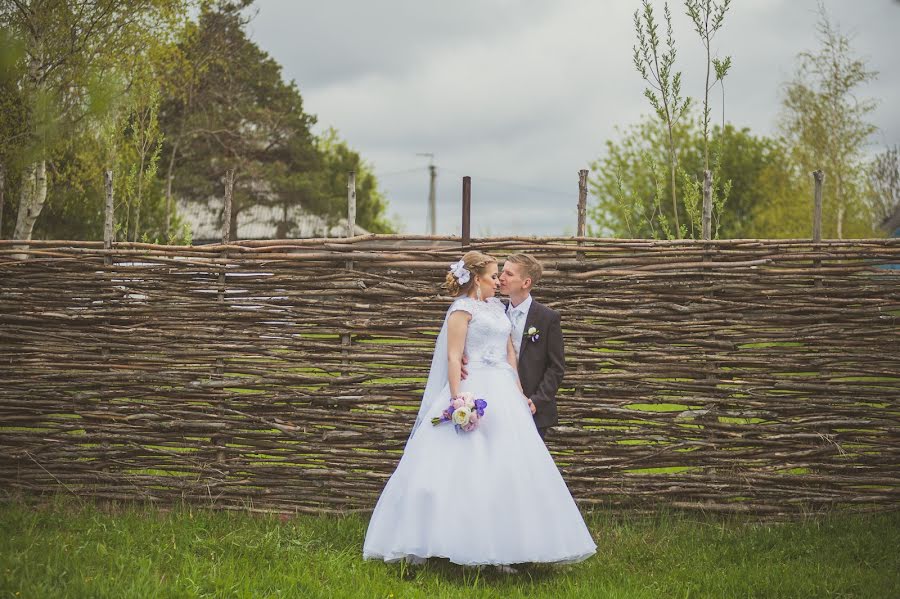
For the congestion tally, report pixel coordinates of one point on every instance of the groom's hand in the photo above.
(462, 371)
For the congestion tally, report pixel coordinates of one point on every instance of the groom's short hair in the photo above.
(530, 267)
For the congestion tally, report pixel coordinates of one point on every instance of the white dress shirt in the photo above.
(517, 316)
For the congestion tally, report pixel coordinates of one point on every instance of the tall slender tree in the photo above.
(827, 124)
(707, 17)
(656, 65)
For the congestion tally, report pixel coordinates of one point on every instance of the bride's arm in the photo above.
(457, 326)
(514, 362)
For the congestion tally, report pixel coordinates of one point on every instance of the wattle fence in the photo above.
(756, 376)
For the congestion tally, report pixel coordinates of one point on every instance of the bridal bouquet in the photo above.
(464, 412)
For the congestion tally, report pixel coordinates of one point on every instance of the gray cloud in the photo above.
(521, 95)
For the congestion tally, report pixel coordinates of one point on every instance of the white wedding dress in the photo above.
(490, 496)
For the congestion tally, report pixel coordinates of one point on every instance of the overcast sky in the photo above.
(522, 94)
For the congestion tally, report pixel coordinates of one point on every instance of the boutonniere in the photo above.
(532, 333)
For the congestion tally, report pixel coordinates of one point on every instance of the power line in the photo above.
(417, 169)
(476, 178)
(514, 184)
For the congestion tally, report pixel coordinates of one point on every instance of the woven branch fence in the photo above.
(750, 376)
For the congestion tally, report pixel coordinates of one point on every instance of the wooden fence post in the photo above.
(108, 238)
(819, 178)
(707, 205)
(226, 218)
(108, 233)
(351, 204)
(351, 231)
(712, 366)
(582, 209)
(579, 255)
(220, 362)
(109, 216)
(2, 194)
(466, 211)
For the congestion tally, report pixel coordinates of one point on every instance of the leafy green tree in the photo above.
(240, 114)
(169, 104)
(338, 160)
(226, 105)
(655, 63)
(13, 130)
(69, 56)
(629, 181)
(708, 17)
(826, 124)
(76, 196)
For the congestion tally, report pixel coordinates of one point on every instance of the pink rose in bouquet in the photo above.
(465, 412)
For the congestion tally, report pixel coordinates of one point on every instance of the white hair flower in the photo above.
(460, 272)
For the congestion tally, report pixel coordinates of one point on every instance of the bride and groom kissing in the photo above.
(537, 338)
(491, 494)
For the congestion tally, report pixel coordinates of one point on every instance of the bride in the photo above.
(492, 495)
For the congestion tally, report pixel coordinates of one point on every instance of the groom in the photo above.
(537, 337)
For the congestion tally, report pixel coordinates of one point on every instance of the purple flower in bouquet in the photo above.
(465, 412)
(480, 405)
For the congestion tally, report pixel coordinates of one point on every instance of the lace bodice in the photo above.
(488, 330)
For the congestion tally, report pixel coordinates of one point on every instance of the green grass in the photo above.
(69, 549)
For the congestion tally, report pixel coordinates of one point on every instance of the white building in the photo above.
(258, 222)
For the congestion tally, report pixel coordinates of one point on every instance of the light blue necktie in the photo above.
(515, 316)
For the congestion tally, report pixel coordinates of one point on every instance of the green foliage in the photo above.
(168, 103)
(825, 122)
(236, 113)
(69, 64)
(124, 552)
(629, 182)
(708, 17)
(761, 186)
(338, 160)
(655, 64)
(133, 141)
(226, 105)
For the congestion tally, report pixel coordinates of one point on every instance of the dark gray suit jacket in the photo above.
(542, 363)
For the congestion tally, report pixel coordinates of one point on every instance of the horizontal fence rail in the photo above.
(755, 376)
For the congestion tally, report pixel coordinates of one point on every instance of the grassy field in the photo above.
(70, 549)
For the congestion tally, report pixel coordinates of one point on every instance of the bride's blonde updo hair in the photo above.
(476, 263)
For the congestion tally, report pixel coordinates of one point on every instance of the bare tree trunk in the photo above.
(31, 201)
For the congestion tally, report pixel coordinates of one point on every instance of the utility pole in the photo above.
(432, 200)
